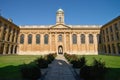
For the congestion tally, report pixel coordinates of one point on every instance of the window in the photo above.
(108, 38)
(5, 27)
(116, 27)
(106, 30)
(82, 39)
(112, 38)
(90, 38)
(105, 49)
(22, 39)
(118, 45)
(111, 29)
(113, 48)
(37, 39)
(60, 19)
(46, 39)
(30, 39)
(74, 39)
(109, 50)
(117, 35)
(60, 38)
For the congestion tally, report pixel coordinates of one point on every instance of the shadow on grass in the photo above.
(10, 73)
(113, 74)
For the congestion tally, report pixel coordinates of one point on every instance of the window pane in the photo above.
(46, 39)
(60, 38)
(90, 38)
(74, 38)
(82, 39)
(22, 39)
(30, 39)
(37, 39)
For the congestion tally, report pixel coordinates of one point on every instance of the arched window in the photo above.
(82, 39)
(90, 38)
(60, 19)
(37, 39)
(30, 39)
(74, 38)
(46, 39)
(60, 38)
(22, 39)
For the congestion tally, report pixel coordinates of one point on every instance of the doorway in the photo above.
(60, 49)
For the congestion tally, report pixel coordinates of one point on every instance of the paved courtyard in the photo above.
(60, 69)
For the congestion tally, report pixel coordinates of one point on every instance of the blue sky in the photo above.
(43, 12)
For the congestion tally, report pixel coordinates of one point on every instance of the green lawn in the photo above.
(112, 63)
(10, 65)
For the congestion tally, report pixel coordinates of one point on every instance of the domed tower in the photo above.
(60, 16)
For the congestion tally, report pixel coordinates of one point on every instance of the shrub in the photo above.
(98, 69)
(70, 58)
(50, 58)
(95, 72)
(41, 62)
(79, 62)
(85, 72)
(30, 72)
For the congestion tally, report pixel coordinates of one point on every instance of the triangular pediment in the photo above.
(60, 26)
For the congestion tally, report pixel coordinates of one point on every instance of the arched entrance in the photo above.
(60, 49)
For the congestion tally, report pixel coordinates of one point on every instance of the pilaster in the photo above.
(87, 42)
(78, 42)
(70, 42)
(64, 42)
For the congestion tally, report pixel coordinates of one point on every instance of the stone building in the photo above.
(59, 38)
(110, 37)
(8, 36)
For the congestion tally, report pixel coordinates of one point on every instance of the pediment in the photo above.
(60, 26)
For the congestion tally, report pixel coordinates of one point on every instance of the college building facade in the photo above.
(61, 38)
(9, 33)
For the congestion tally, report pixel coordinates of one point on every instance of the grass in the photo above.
(10, 65)
(112, 63)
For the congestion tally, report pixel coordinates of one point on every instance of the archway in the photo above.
(60, 49)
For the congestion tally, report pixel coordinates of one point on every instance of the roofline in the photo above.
(9, 21)
(118, 17)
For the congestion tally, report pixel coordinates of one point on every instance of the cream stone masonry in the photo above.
(8, 36)
(67, 33)
(59, 38)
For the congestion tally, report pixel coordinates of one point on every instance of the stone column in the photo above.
(33, 42)
(42, 41)
(95, 42)
(56, 39)
(87, 42)
(15, 36)
(7, 33)
(11, 34)
(64, 42)
(5, 47)
(2, 31)
(13, 49)
(9, 51)
(25, 41)
(70, 42)
(50, 42)
(78, 42)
